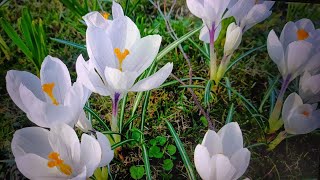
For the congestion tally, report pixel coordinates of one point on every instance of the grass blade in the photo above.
(96, 116)
(206, 55)
(146, 162)
(228, 84)
(207, 93)
(114, 146)
(69, 43)
(230, 114)
(121, 115)
(186, 161)
(183, 79)
(268, 92)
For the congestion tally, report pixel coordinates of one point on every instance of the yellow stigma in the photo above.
(105, 15)
(306, 113)
(121, 56)
(48, 89)
(302, 34)
(55, 161)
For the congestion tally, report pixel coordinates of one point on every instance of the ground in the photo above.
(295, 158)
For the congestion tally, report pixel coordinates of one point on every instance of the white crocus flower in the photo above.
(294, 59)
(117, 58)
(300, 30)
(309, 88)
(52, 98)
(55, 154)
(233, 39)
(211, 12)
(248, 13)
(299, 118)
(221, 155)
(101, 20)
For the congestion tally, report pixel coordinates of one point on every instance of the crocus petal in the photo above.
(106, 153)
(240, 161)
(212, 142)
(83, 123)
(240, 9)
(297, 55)
(204, 35)
(276, 52)
(95, 19)
(196, 7)
(292, 102)
(44, 114)
(117, 11)
(64, 140)
(100, 49)
(201, 161)
(90, 153)
(82, 175)
(124, 32)
(231, 137)
(53, 70)
(309, 88)
(288, 34)
(305, 24)
(257, 14)
(89, 78)
(33, 166)
(120, 81)
(219, 6)
(154, 80)
(313, 65)
(30, 81)
(142, 54)
(221, 168)
(22, 142)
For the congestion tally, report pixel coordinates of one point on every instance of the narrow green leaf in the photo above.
(121, 115)
(207, 93)
(230, 114)
(146, 162)
(25, 26)
(268, 92)
(206, 55)
(183, 79)
(192, 86)
(69, 43)
(96, 116)
(114, 146)
(186, 161)
(132, 118)
(228, 84)
(144, 110)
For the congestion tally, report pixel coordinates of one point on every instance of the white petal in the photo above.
(89, 77)
(204, 35)
(297, 55)
(257, 14)
(154, 80)
(95, 19)
(292, 102)
(106, 153)
(288, 34)
(142, 54)
(313, 65)
(31, 140)
(83, 123)
(53, 70)
(35, 167)
(82, 175)
(231, 137)
(196, 7)
(123, 33)
(240, 161)
(240, 9)
(32, 82)
(120, 81)
(64, 140)
(233, 38)
(117, 11)
(100, 49)
(44, 114)
(305, 24)
(276, 52)
(90, 153)
(309, 88)
(221, 168)
(212, 142)
(201, 161)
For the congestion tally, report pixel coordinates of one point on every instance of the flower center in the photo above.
(302, 34)
(121, 56)
(105, 15)
(305, 113)
(48, 89)
(55, 161)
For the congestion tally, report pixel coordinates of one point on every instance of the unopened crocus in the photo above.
(221, 155)
(55, 154)
(309, 88)
(233, 39)
(52, 98)
(248, 13)
(299, 118)
(118, 56)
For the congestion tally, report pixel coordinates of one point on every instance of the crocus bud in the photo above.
(233, 39)
(309, 88)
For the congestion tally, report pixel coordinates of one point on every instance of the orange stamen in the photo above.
(121, 56)
(48, 89)
(55, 161)
(302, 34)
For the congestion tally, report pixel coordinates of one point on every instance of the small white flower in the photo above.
(299, 118)
(248, 13)
(233, 38)
(55, 154)
(309, 88)
(221, 155)
(48, 100)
